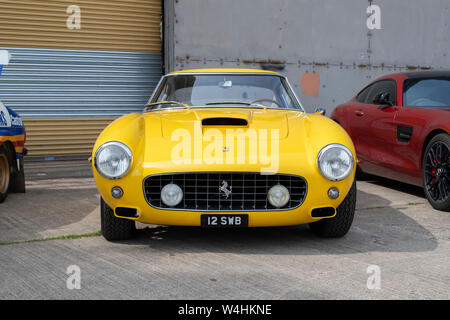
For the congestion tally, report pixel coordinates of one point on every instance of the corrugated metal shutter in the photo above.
(68, 84)
(51, 83)
(124, 25)
(62, 137)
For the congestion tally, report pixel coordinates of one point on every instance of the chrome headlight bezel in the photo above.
(128, 154)
(326, 149)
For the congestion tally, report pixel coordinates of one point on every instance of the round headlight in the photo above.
(278, 196)
(171, 194)
(335, 162)
(113, 160)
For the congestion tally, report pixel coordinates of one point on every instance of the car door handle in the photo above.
(359, 113)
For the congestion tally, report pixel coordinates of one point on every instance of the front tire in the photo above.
(340, 224)
(17, 179)
(5, 173)
(114, 228)
(436, 172)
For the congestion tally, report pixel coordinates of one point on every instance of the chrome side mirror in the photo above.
(320, 111)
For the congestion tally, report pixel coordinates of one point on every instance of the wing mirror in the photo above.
(383, 99)
(320, 111)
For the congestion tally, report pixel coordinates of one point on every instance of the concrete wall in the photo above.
(324, 46)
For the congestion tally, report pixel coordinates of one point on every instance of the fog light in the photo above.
(171, 194)
(333, 193)
(278, 196)
(117, 192)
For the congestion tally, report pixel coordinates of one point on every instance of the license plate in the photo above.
(224, 220)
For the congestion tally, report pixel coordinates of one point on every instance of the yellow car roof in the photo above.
(224, 70)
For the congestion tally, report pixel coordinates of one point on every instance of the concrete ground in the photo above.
(394, 229)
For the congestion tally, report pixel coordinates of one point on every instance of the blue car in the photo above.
(12, 150)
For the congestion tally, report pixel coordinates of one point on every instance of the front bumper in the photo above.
(133, 197)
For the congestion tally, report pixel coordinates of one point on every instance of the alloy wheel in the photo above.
(437, 172)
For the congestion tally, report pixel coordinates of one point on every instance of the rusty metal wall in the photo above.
(324, 47)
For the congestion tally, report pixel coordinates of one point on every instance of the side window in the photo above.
(427, 93)
(361, 97)
(163, 95)
(388, 86)
(282, 95)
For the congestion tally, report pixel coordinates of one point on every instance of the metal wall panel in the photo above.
(124, 25)
(327, 44)
(46, 83)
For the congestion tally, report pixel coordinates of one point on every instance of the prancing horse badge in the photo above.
(223, 188)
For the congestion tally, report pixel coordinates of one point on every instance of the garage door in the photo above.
(76, 66)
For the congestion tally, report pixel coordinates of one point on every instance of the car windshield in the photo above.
(427, 93)
(213, 90)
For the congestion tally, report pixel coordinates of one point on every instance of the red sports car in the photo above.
(400, 125)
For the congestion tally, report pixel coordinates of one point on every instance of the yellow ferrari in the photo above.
(225, 148)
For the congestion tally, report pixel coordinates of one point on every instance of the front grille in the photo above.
(202, 190)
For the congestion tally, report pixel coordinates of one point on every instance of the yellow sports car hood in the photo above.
(222, 120)
(224, 139)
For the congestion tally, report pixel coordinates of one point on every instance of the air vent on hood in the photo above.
(224, 122)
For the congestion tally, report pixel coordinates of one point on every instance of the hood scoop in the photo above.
(224, 122)
(190, 120)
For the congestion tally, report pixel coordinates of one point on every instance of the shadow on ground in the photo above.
(55, 207)
(395, 185)
(380, 229)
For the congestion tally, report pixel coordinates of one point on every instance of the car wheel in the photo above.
(5, 172)
(114, 228)
(17, 179)
(361, 175)
(436, 172)
(339, 225)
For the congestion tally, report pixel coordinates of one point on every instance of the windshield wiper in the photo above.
(252, 105)
(228, 102)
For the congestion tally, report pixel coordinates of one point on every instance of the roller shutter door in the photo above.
(68, 84)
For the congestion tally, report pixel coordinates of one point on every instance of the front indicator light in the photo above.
(333, 193)
(117, 192)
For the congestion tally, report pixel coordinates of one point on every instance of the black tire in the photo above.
(339, 225)
(361, 175)
(5, 173)
(17, 183)
(114, 228)
(436, 172)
